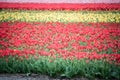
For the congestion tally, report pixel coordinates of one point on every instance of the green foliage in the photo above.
(83, 43)
(61, 68)
(109, 51)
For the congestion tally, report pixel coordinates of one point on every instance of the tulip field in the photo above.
(61, 41)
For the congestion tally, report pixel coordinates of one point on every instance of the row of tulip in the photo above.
(72, 40)
(62, 6)
(60, 16)
(61, 49)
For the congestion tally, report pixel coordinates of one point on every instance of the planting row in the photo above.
(59, 16)
(62, 6)
(60, 68)
(71, 40)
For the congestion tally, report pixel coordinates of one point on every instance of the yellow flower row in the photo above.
(60, 16)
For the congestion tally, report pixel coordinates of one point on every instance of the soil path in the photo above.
(31, 77)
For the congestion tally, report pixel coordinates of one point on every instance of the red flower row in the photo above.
(63, 6)
(64, 54)
(79, 40)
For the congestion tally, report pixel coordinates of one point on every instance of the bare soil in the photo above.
(32, 77)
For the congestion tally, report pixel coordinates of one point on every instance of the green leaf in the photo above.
(28, 74)
(109, 51)
(114, 74)
(63, 75)
(83, 43)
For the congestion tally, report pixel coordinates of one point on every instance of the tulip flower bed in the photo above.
(61, 6)
(59, 16)
(61, 49)
(60, 43)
